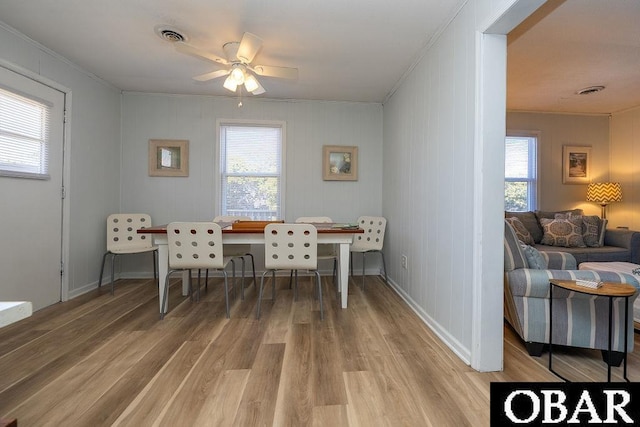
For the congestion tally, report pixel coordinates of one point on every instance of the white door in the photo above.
(31, 212)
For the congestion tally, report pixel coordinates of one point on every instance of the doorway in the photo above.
(32, 212)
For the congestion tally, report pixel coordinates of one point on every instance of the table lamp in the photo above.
(604, 193)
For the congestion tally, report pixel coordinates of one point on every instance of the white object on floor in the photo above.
(617, 267)
(13, 311)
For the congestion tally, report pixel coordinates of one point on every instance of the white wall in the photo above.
(557, 130)
(443, 165)
(93, 153)
(309, 126)
(625, 168)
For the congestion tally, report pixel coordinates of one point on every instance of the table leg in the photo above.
(163, 269)
(626, 332)
(610, 338)
(343, 272)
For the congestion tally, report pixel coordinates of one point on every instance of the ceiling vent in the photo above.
(589, 90)
(170, 34)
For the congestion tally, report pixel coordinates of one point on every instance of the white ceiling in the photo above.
(344, 50)
(569, 45)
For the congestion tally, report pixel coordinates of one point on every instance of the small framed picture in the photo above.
(168, 157)
(339, 163)
(576, 167)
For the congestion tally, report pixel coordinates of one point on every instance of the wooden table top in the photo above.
(608, 289)
(322, 227)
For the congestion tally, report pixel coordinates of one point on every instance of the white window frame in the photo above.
(25, 170)
(532, 179)
(219, 175)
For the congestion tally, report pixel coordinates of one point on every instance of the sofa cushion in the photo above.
(534, 257)
(602, 254)
(565, 232)
(521, 231)
(603, 230)
(530, 221)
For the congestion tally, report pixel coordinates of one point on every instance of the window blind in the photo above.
(24, 136)
(251, 169)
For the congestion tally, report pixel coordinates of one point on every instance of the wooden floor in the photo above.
(102, 360)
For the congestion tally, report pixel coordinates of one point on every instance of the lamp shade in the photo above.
(604, 192)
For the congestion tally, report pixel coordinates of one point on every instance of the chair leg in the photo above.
(291, 279)
(226, 290)
(384, 266)
(363, 257)
(273, 285)
(242, 280)
(319, 283)
(295, 286)
(253, 269)
(233, 265)
(335, 276)
(113, 282)
(154, 254)
(165, 295)
(104, 259)
(351, 263)
(260, 295)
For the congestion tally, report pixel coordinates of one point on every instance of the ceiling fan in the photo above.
(237, 65)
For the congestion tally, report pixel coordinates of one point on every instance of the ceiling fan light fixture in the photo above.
(238, 75)
(230, 83)
(250, 83)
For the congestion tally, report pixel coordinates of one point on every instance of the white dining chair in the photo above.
(123, 239)
(195, 246)
(237, 250)
(371, 241)
(290, 247)
(325, 251)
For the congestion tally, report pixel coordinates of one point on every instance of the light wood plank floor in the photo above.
(102, 360)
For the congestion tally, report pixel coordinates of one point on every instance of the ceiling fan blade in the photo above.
(194, 51)
(249, 46)
(271, 71)
(212, 75)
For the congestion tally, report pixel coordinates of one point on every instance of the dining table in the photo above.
(247, 233)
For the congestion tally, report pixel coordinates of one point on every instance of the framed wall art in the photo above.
(339, 163)
(576, 165)
(168, 157)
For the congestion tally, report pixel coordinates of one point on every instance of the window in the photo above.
(520, 185)
(24, 136)
(251, 165)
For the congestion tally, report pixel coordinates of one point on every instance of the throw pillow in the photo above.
(562, 232)
(534, 257)
(552, 214)
(530, 221)
(521, 231)
(590, 228)
(603, 230)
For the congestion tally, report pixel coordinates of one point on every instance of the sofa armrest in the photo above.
(530, 283)
(624, 238)
(559, 260)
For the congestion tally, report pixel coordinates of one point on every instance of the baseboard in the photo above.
(456, 346)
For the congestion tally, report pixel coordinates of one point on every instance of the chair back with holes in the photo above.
(195, 245)
(373, 237)
(313, 219)
(122, 232)
(234, 249)
(290, 247)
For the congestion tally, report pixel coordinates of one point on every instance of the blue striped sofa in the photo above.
(579, 320)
